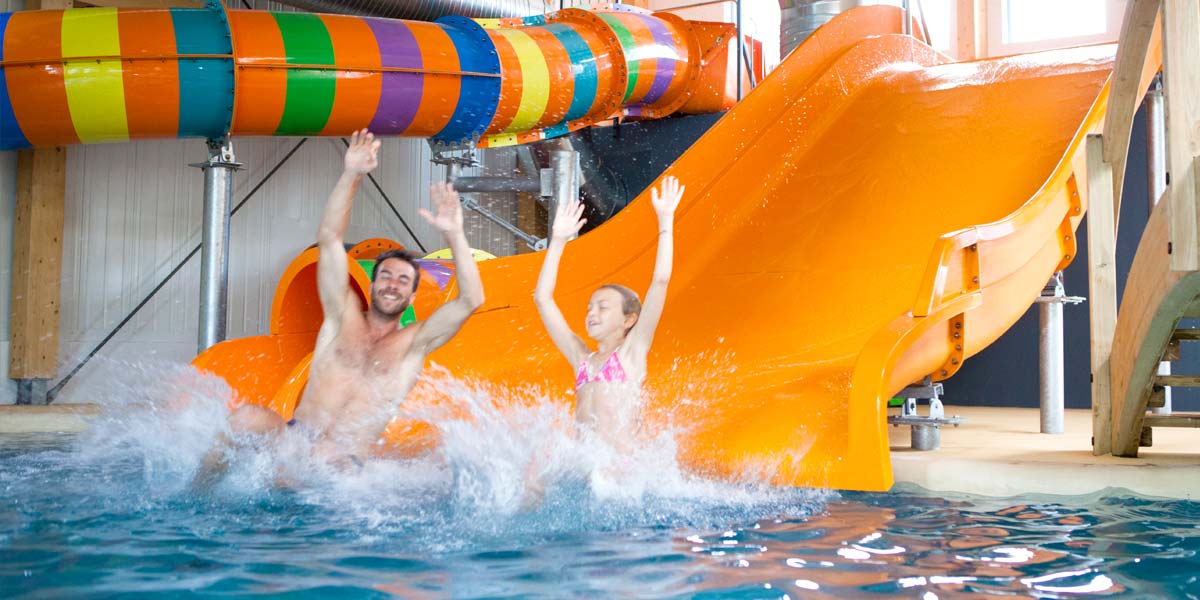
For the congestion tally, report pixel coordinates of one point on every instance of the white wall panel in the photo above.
(8, 175)
(133, 212)
(8, 201)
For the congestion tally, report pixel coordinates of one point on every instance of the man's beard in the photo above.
(391, 315)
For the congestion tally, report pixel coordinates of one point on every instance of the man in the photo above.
(365, 363)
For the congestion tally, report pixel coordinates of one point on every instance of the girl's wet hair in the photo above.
(630, 303)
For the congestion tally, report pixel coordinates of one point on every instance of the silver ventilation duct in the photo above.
(425, 10)
(798, 21)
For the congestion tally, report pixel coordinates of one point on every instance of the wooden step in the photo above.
(1177, 380)
(1186, 335)
(1158, 397)
(1173, 352)
(1172, 420)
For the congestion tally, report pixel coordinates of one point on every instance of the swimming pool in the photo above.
(112, 513)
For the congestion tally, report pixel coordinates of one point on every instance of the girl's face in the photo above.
(605, 315)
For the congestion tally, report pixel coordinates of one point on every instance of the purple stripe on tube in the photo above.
(401, 93)
(664, 69)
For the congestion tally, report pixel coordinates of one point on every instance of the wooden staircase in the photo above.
(1164, 281)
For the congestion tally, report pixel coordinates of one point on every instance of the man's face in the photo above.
(392, 290)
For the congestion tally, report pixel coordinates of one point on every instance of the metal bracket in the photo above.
(1055, 293)
(926, 430)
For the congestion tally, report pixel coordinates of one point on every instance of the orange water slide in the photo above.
(869, 215)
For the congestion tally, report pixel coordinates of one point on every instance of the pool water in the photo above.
(113, 513)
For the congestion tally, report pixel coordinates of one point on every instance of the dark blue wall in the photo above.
(1006, 373)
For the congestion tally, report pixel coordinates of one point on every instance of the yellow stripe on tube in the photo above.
(95, 88)
(535, 80)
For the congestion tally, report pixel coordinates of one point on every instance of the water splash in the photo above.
(471, 491)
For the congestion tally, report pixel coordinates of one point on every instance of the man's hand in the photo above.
(666, 202)
(449, 218)
(568, 220)
(363, 154)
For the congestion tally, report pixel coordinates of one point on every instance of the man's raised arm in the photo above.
(449, 317)
(332, 275)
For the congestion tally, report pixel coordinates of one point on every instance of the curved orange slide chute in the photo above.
(869, 215)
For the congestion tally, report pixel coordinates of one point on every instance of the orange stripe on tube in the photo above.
(261, 92)
(439, 93)
(37, 91)
(510, 85)
(151, 86)
(562, 80)
(357, 95)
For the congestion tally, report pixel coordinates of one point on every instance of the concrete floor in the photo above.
(1000, 452)
(55, 418)
(997, 452)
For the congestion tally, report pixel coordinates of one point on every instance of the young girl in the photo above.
(608, 381)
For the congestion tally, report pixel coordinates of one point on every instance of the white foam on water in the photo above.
(474, 486)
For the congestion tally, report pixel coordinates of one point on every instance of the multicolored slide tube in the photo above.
(95, 75)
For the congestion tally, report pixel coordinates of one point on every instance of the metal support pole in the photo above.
(1156, 176)
(749, 66)
(565, 164)
(470, 204)
(1050, 360)
(1050, 352)
(475, 185)
(741, 47)
(907, 17)
(214, 253)
(924, 24)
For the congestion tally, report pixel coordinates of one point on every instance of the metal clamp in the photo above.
(926, 430)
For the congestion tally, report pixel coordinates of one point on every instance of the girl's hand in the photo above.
(666, 202)
(568, 220)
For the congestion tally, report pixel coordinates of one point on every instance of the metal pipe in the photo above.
(1050, 356)
(565, 164)
(741, 47)
(469, 185)
(907, 17)
(749, 66)
(924, 24)
(1156, 177)
(470, 204)
(423, 10)
(214, 253)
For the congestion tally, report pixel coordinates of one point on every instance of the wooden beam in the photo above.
(980, 9)
(48, 4)
(1177, 380)
(1156, 297)
(1102, 289)
(1174, 420)
(37, 258)
(1138, 58)
(965, 29)
(1181, 91)
(33, 316)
